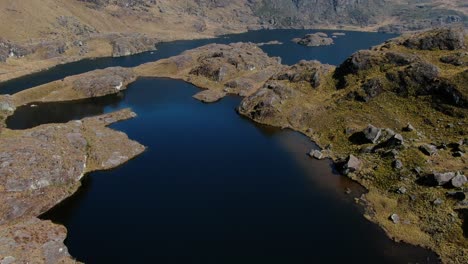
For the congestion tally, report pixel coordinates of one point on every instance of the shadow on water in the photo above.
(216, 188)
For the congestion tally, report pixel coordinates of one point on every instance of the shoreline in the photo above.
(180, 67)
(6, 77)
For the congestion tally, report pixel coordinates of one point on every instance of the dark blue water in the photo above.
(216, 188)
(212, 187)
(289, 52)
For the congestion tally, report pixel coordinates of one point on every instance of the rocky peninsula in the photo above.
(393, 118)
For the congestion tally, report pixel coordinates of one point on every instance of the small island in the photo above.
(314, 40)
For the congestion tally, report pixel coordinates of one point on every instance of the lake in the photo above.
(214, 187)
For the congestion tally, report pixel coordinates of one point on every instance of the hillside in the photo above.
(38, 34)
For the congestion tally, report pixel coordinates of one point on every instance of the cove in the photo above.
(214, 187)
(290, 53)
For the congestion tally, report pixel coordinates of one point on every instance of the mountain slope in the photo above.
(37, 34)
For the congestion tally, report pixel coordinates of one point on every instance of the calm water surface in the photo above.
(214, 187)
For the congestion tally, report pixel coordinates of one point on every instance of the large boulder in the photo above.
(428, 149)
(443, 178)
(351, 165)
(459, 180)
(372, 133)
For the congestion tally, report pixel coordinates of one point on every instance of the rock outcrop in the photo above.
(42, 166)
(314, 40)
(91, 84)
(239, 68)
(389, 86)
(403, 72)
(126, 45)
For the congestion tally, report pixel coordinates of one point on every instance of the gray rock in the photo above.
(395, 218)
(8, 260)
(438, 202)
(428, 149)
(54, 251)
(397, 164)
(401, 190)
(459, 180)
(443, 178)
(352, 164)
(317, 154)
(408, 128)
(372, 133)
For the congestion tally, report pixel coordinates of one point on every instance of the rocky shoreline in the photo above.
(393, 118)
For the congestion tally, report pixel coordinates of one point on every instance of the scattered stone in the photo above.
(438, 202)
(396, 140)
(402, 190)
(317, 154)
(372, 133)
(395, 218)
(352, 164)
(458, 154)
(408, 128)
(428, 149)
(459, 180)
(417, 170)
(348, 191)
(397, 164)
(443, 178)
